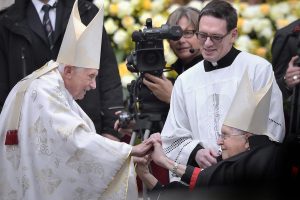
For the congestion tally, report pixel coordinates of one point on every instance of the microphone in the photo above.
(192, 50)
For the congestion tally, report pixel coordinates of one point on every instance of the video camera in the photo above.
(148, 57)
(149, 51)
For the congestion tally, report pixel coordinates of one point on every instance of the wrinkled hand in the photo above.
(142, 163)
(206, 157)
(156, 137)
(158, 155)
(143, 148)
(160, 87)
(143, 171)
(292, 75)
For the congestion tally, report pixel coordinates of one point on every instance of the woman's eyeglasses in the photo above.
(188, 33)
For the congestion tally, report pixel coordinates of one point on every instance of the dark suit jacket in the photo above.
(24, 48)
(284, 47)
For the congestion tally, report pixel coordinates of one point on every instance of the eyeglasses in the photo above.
(214, 38)
(188, 33)
(224, 137)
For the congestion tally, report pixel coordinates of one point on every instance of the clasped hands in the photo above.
(149, 149)
(152, 145)
(204, 157)
(156, 154)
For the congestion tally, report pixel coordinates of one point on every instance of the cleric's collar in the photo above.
(226, 61)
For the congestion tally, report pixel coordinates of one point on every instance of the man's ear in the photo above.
(68, 71)
(234, 35)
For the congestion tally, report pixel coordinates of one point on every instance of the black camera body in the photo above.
(148, 57)
(149, 50)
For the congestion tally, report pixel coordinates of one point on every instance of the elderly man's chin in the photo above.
(80, 96)
(224, 155)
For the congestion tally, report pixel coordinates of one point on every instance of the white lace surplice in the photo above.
(200, 101)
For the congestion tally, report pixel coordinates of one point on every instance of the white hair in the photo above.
(236, 131)
(61, 68)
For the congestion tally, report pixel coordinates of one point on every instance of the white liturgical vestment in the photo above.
(59, 156)
(200, 101)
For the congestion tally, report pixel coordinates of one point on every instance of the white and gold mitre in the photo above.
(249, 110)
(81, 46)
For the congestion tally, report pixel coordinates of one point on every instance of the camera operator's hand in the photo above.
(160, 87)
(124, 131)
(292, 75)
(206, 157)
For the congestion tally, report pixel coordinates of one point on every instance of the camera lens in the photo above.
(124, 119)
(151, 58)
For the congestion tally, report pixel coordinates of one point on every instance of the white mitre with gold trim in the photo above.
(81, 46)
(249, 110)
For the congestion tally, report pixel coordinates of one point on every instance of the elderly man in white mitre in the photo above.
(49, 147)
(252, 160)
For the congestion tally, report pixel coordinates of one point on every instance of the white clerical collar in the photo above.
(226, 61)
(214, 64)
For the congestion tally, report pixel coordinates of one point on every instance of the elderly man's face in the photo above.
(214, 38)
(232, 141)
(79, 80)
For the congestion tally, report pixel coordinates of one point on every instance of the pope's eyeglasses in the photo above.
(226, 136)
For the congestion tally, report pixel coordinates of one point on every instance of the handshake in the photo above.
(143, 153)
(151, 145)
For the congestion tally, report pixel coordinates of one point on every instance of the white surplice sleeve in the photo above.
(276, 122)
(177, 136)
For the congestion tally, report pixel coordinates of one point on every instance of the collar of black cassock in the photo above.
(226, 61)
(258, 140)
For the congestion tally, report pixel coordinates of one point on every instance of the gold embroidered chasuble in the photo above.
(59, 155)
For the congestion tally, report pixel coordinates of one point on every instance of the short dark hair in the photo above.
(222, 10)
(192, 15)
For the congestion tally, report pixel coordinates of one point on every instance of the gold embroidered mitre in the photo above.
(249, 110)
(81, 46)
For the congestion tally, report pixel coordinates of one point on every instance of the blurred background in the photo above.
(258, 21)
